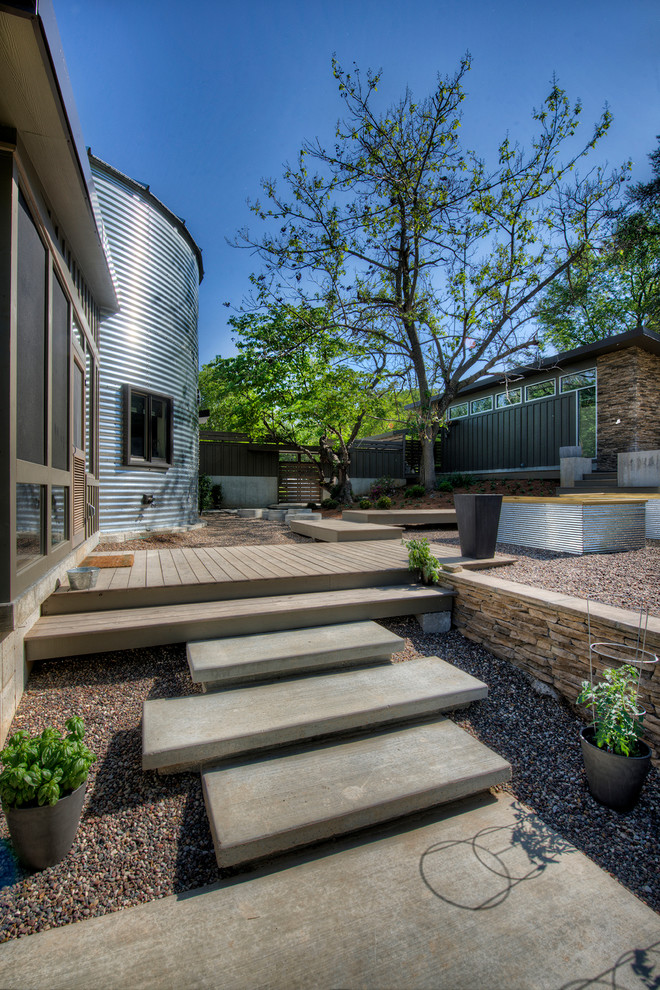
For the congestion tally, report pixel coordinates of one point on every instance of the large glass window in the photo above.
(482, 405)
(509, 398)
(147, 428)
(29, 524)
(586, 401)
(459, 410)
(582, 379)
(59, 514)
(78, 407)
(540, 390)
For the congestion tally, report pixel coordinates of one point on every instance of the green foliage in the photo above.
(329, 503)
(421, 559)
(39, 770)
(615, 287)
(216, 496)
(458, 480)
(312, 506)
(384, 502)
(413, 250)
(445, 486)
(617, 722)
(204, 499)
(414, 491)
(365, 503)
(382, 486)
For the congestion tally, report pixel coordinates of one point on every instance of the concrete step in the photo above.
(217, 663)
(202, 730)
(274, 805)
(340, 531)
(121, 629)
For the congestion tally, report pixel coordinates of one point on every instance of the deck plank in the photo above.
(138, 578)
(154, 570)
(168, 567)
(202, 573)
(228, 567)
(120, 577)
(184, 570)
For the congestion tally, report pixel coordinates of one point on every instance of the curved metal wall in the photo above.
(151, 343)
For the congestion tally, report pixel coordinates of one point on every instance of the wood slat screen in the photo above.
(298, 482)
(79, 494)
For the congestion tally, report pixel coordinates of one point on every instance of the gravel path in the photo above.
(144, 836)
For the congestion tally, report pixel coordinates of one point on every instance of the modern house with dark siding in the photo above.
(602, 397)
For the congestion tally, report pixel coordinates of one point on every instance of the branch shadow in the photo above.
(497, 859)
(644, 964)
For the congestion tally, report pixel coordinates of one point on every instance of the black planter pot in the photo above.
(43, 836)
(615, 781)
(478, 517)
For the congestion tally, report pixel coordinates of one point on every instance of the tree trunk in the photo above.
(427, 464)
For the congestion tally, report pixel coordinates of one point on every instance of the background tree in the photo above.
(616, 288)
(415, 249)
(316, 395)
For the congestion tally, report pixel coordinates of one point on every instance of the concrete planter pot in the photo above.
(615, 781)
(42, 836)
(478, 518)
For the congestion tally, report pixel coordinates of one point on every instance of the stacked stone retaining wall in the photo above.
(546, 634)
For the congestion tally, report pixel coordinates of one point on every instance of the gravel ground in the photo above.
(144, 836)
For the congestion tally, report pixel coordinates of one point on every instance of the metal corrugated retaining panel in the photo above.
(151, 343)
(572, 529)
(653, 519)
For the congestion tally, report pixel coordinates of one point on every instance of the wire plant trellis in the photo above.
(638, 657)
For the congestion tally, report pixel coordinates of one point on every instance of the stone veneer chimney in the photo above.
(628, 404)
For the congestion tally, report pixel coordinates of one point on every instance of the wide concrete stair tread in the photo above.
(338, 530)
(180, 733)
(120, 629)
(266, 807)
(219, 662)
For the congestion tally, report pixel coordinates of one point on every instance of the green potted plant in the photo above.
(616, 759)
(42, 789)
(421, 559)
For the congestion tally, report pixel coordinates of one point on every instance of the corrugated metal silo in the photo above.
(149, 347)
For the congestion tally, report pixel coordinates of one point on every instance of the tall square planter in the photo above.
(478, 518)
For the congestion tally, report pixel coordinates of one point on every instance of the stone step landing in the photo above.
(217, 663)
(270, 806)
(202, 730)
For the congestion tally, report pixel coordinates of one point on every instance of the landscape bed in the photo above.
(144, 836)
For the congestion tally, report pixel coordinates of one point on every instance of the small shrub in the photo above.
(415, 491)
(459, 480)
(216, 496)
(41, 769)
(382, 486)
(204, 500)
(312, 506)
(384, 502)
(421, 559)
(445, 486)
(329, 503)
(335, 491)
(493, 486)
(365, 503)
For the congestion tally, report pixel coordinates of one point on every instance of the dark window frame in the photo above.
(148, 461)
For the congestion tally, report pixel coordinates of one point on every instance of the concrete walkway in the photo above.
(481, 895)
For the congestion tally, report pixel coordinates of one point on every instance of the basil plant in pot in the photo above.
(42, 789)
(616, 759)
(421, 560)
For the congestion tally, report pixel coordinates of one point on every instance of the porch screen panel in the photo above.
(60, 379)
(31, 340)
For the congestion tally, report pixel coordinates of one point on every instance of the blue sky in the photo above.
(201, 100)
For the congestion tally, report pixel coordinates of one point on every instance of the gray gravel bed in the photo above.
(539, 737)
(627, 580)
(143, 836)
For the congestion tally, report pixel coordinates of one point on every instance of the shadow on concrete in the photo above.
(640, 965)
(480, 872)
